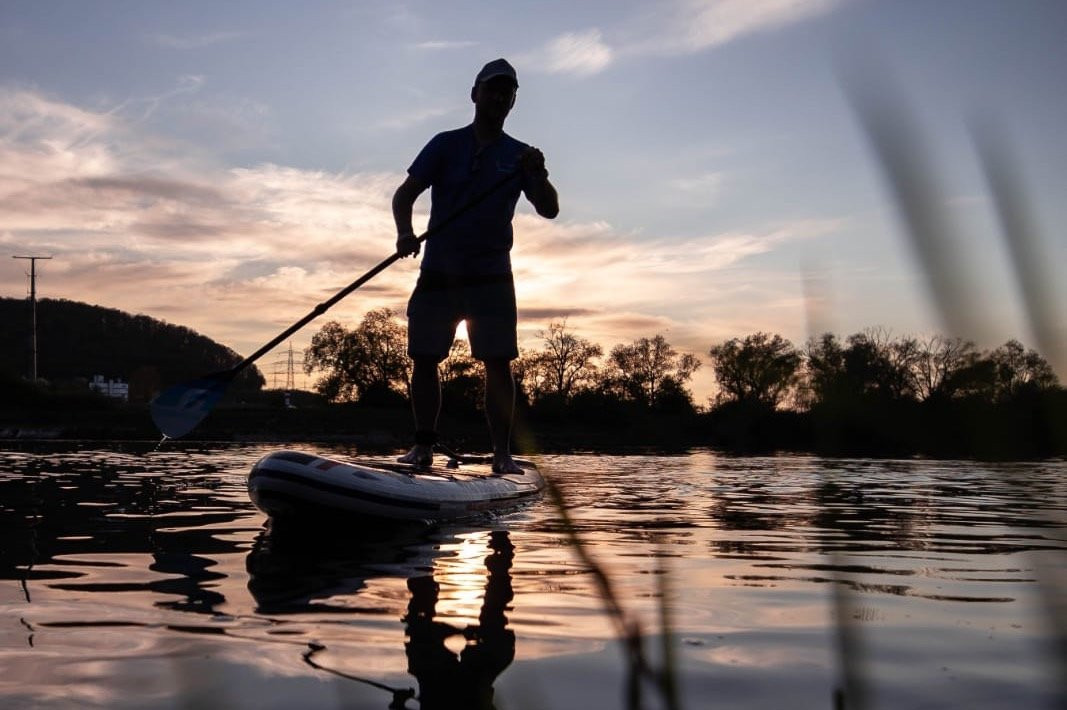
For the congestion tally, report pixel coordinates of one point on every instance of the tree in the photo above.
(526, 371)
(462, 379)
(940, 362)
(640, 371)
(566, 362)
(877, 365)
(1019, 369)
(760, 369)
(871, 364)
(999, 375)
(902, 358)
(825, 359)
(370, 358)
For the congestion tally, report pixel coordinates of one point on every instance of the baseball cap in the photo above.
(497, 67)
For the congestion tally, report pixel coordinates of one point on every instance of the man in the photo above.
(466, 268)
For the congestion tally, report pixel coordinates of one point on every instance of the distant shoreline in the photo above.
(387, 429)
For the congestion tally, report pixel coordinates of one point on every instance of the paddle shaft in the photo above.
(382, 266)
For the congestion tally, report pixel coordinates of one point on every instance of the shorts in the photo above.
(440, 301)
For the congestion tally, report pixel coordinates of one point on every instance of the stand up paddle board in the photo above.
(295, 484)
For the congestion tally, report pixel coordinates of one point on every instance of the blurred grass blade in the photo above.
(904, 159)
(627, 628)
(1024, 244)
(853, 691)
(851, 694)
(668, 676)
(1037, 287)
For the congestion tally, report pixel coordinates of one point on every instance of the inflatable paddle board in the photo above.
(294, 484)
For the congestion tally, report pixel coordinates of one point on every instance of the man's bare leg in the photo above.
(500, 412)
(426, 406)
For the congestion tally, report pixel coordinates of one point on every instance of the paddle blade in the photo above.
(177, 411)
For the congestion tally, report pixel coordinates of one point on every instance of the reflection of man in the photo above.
(464, 681)
(466, 270)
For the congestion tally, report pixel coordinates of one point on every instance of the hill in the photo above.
(76, 341)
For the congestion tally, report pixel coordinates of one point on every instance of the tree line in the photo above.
(872, 393)
(767, 370)
(869, 393)
(369, 364)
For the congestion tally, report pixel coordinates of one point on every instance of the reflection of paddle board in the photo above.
(299, 568)
(289, 483)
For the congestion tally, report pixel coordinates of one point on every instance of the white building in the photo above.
(110, 388)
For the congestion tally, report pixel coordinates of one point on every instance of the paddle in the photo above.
(177, 410)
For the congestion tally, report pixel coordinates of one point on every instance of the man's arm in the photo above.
(403, 204)
(538, 190)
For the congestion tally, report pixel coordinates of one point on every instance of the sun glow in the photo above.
(462, 574)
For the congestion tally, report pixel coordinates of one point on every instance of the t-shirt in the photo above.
(479, 241)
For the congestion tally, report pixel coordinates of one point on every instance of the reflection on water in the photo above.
(465, 679)
(145, 579)
(298, 571)
(293, 571)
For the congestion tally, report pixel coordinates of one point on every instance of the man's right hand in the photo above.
(407, 245)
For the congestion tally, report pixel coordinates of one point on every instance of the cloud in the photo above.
(193, 41)
(44, 139)
(147, 105)
(680, 27)
(697, 190)
(414, 117)
(580, 54)
(636, 325)
(699, 184)
(437, 45)
(617, 287)
(550, 314)
(595, 251)
(240, 253)
(221, 124)
(137, 239)
(695, 25)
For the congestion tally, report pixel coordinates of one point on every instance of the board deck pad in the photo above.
(287, 481)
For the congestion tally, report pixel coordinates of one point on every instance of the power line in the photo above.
(33, 309)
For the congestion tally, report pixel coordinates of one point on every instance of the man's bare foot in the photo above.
(503, 464)
(420, 455)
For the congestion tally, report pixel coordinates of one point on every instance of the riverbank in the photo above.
(371, 428)
(1025, 430)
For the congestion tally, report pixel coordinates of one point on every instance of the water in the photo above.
(139, 578)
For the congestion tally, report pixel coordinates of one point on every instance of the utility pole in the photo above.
(33, 308)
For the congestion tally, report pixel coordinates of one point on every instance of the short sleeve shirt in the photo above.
(479, 241)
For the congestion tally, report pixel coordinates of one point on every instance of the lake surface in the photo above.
(139, 578)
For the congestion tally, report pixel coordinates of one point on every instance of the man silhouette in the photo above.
(466, 268)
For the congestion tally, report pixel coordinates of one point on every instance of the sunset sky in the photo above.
(226, 166)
